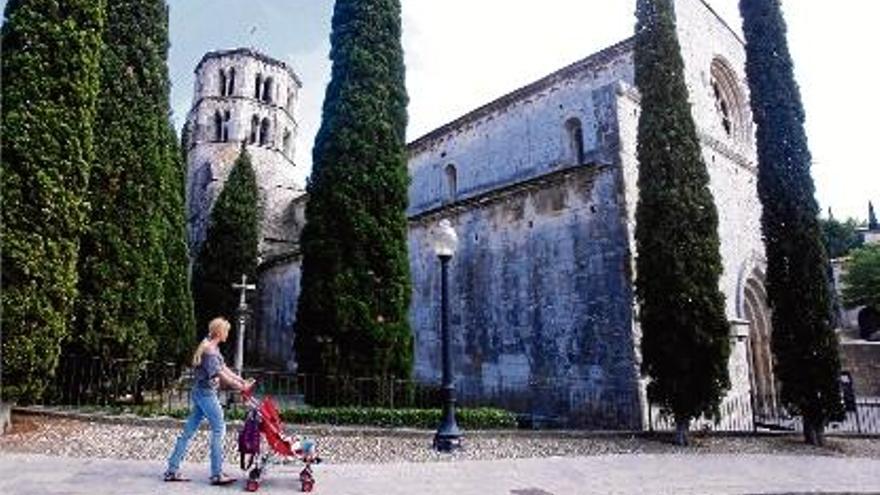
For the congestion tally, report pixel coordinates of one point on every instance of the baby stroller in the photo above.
(263, 420)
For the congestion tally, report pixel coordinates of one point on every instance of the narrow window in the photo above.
(264, 132)
(451, 182)
(231, 88)
(218, 127)
(729, 100)
(286, 142)
(226, 126)
(255, 128)
(267, 90)
(258, 86)
(222, 81)
(575, 139)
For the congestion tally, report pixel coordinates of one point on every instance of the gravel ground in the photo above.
(139, 440)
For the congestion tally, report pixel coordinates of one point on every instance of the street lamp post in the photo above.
(448, 436)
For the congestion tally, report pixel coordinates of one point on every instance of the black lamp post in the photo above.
(448, 436)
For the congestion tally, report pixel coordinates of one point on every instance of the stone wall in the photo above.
(543, 307)
(540, 299)
(270, 342)
(862, 359)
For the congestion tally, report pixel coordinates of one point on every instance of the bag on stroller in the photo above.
(249, 440)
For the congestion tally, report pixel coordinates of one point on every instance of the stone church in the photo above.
(540, 185)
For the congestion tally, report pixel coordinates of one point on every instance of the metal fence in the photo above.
(164, 387)
(749, 413)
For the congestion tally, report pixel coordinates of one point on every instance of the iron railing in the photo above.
(749, 413)
(165, 387)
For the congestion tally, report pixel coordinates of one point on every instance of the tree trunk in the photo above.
(681, 432)
(814, 431)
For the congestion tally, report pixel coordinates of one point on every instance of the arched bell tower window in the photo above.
(255, 129)
(575, 133)
(226, 124)
(729, 102)
(230, 85)
(451, 182)
(264, 132)
(258, 86)
(286, 142)
(218, 126)
(267, 90)
(222, 81)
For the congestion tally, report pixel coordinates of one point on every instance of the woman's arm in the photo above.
(231, 379)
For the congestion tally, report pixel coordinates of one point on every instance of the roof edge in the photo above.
(253, 53)
(589, 62)
(723, 22)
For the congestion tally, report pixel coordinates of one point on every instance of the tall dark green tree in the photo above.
(128, 269)
(873, 224)
(177, 328)
(50, 72)
(230, 247)
(681, 310)
(352, 311)
(803, 340)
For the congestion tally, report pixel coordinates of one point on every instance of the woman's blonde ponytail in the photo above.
(215, 328)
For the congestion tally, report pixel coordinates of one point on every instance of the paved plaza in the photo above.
(614, 474)
(64, 455)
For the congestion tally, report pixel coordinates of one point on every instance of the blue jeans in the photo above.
(204, 405)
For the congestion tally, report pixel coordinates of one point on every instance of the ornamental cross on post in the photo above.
(242, 317)
(243, 287)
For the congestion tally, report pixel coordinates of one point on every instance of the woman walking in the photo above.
(209, 372)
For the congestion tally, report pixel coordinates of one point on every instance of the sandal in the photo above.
(222, 480)
(174, 477)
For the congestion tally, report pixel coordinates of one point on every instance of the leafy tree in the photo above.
(352, 311)
(803, 340)
(132, 280)
(681, 309)
(839, 237)
(50, 72)
(862, 278)
(230, 247)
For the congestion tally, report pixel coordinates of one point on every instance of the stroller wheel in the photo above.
(307, 480)
(252, 485)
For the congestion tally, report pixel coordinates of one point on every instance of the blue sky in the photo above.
(461, 54)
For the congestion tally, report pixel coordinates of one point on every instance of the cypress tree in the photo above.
(230, 247)
(352, 311)
(681, 310)
(873, 224)
(124, 265)
(50, 71)
(803, 340)
(177, 330)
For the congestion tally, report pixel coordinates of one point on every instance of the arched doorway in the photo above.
(753, 307)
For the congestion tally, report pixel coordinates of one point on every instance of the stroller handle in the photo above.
(248, 393)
